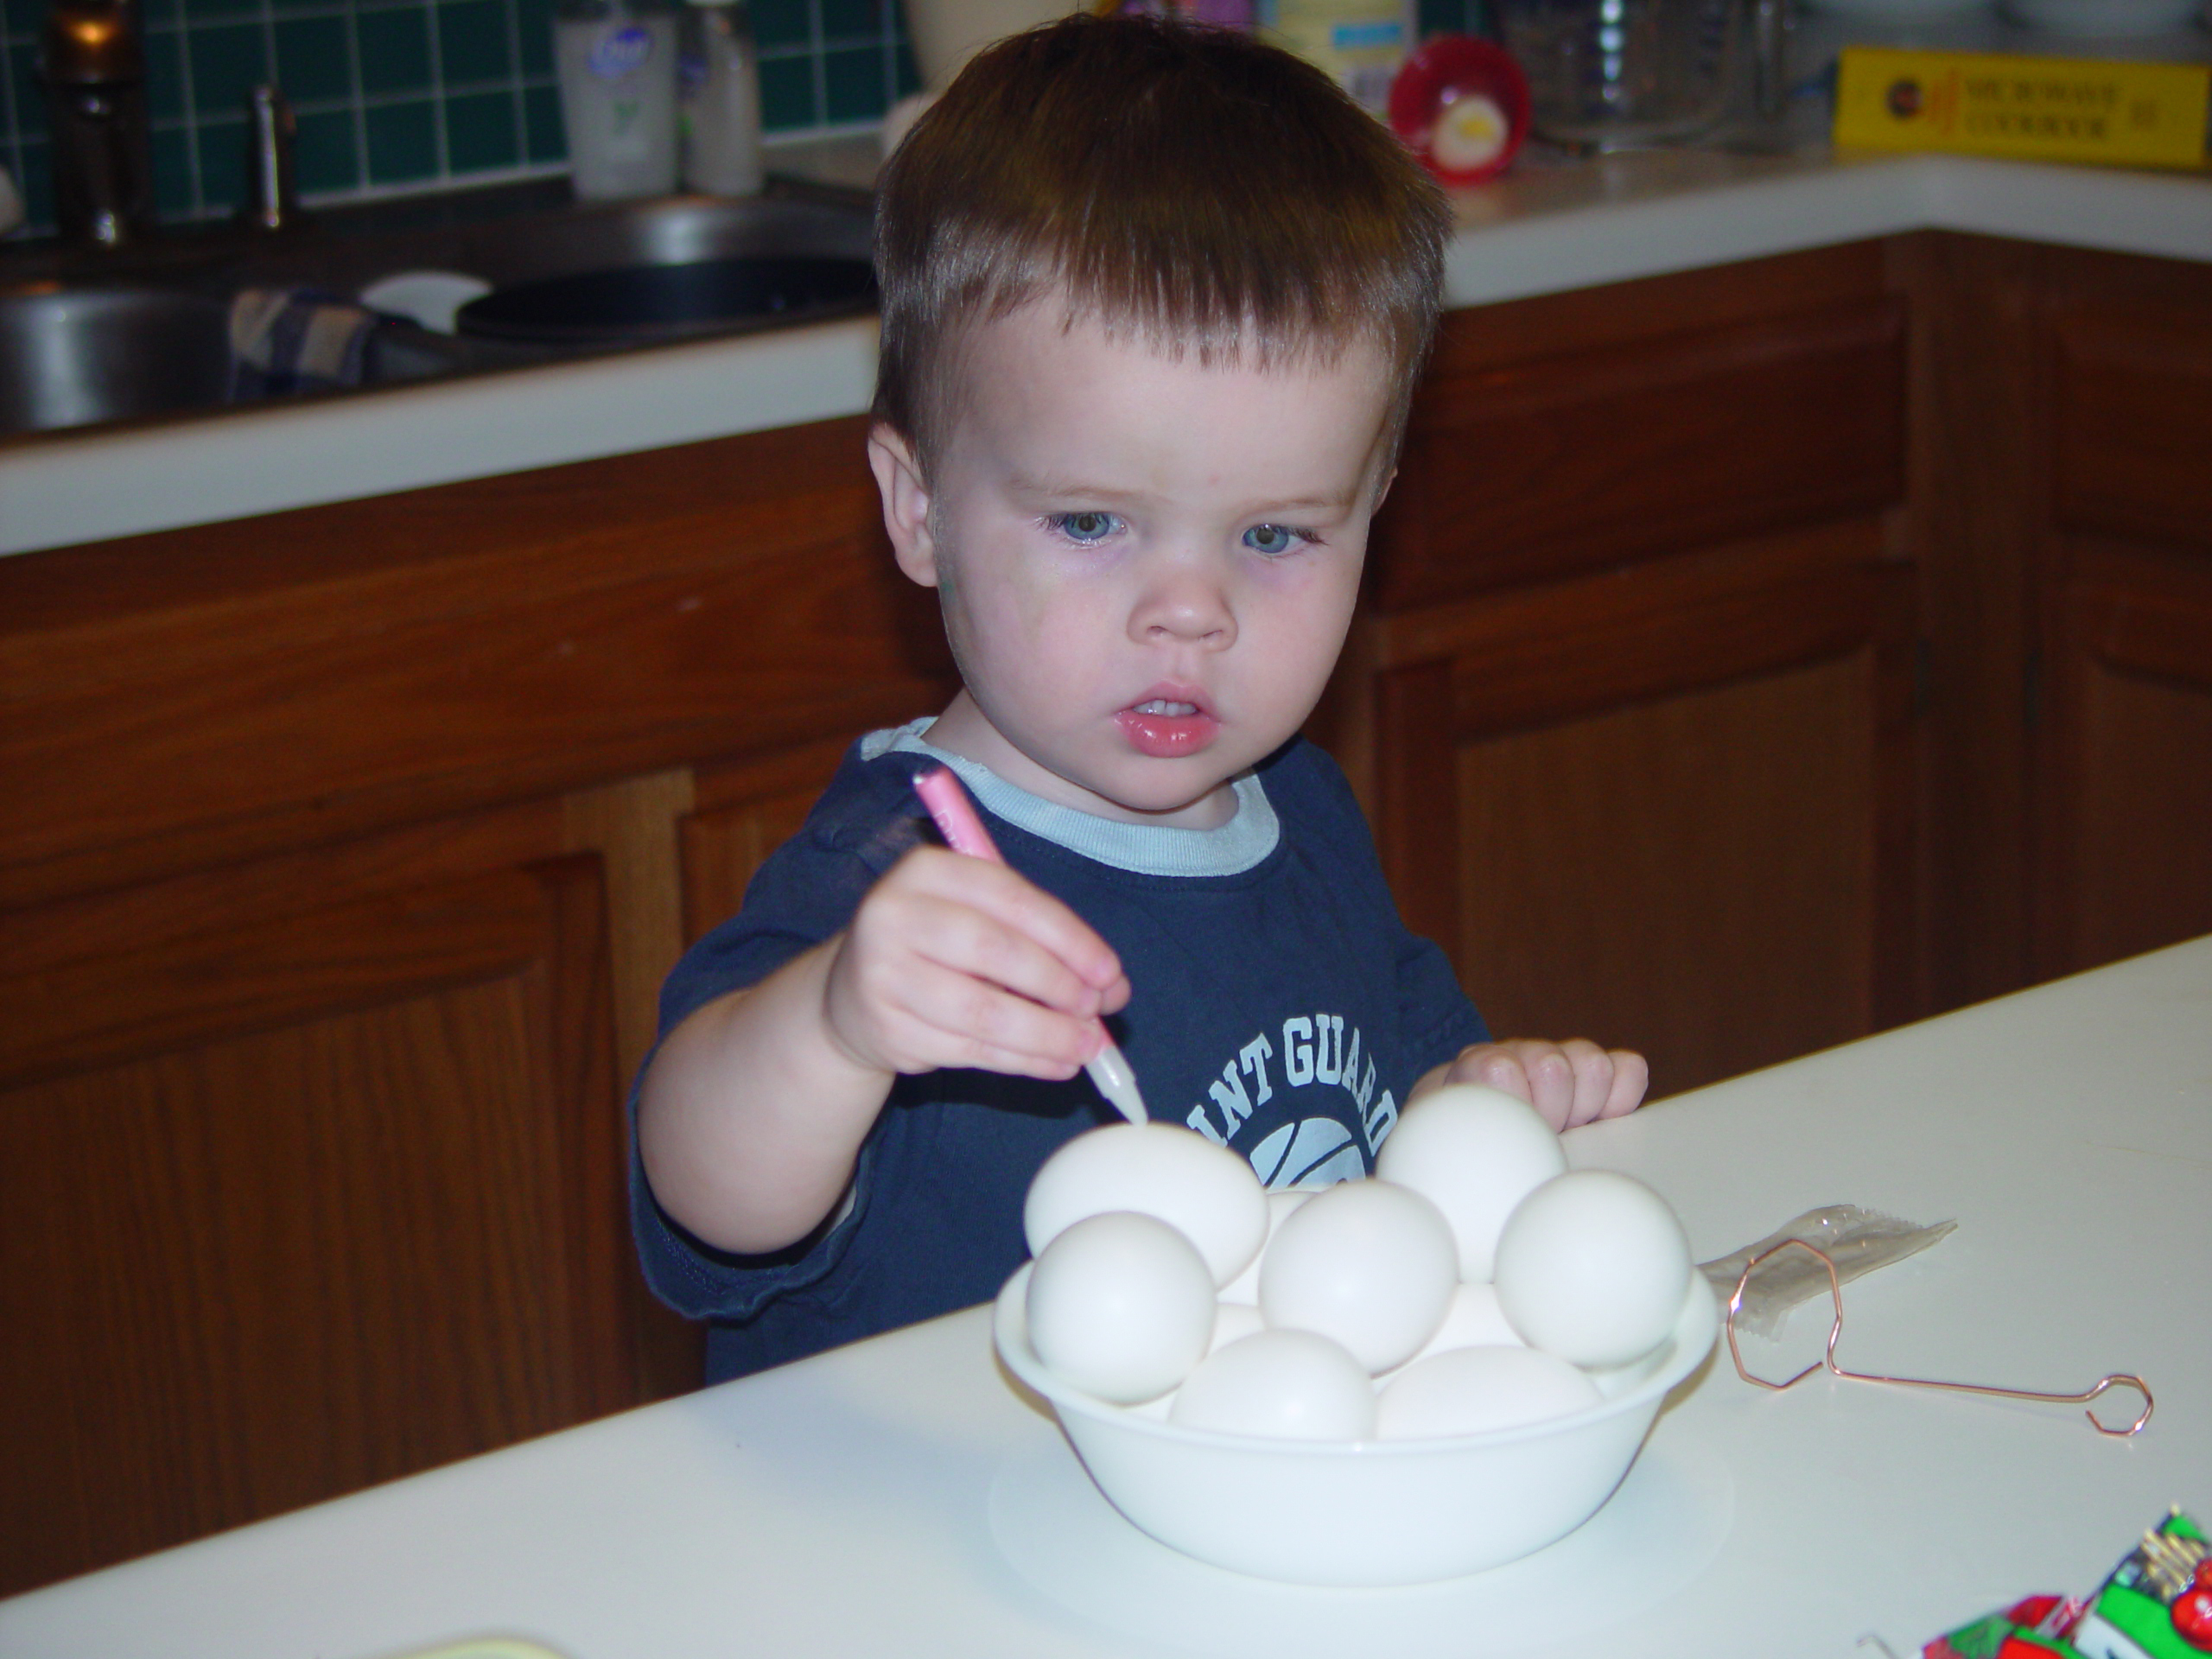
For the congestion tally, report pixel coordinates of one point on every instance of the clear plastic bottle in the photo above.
(718, 80)
(1362, 44)
(617, 63)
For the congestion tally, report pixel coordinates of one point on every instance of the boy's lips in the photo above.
(1167, 722)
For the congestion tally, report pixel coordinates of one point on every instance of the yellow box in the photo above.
(2038, 109)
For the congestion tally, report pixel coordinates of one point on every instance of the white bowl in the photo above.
(1376, 1512)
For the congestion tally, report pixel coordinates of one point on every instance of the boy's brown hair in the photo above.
(1190, 185)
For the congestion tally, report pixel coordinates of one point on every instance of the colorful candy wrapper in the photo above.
(2156, 1604)
(2033, 1629)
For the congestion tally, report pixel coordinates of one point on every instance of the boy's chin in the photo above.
(1154, 789)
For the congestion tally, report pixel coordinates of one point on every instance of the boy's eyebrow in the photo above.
(1019, 484)
(1022, 484)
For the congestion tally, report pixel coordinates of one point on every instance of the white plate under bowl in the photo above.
(1663, 1529)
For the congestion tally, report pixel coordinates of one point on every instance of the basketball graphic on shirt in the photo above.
(1318, 1152)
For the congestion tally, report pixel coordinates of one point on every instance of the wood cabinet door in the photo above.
(1669, 807)
(2123, 749)
(2124, 785)
(1634, 705)
(312, 1172)
(327, 844)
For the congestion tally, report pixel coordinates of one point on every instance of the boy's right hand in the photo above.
(953, 961)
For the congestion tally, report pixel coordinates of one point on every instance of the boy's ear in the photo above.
(905, 502)
(1382, 492)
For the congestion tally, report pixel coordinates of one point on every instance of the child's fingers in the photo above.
(1631, 1081)
(968, 942)
(1569, 1083)
(1591, 1069)
(1496, 1066)
(1576, 1082)
(1020, 905)
(956, 962)
(973, 1023)
(1552, 1082)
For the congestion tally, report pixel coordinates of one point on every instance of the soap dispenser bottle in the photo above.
(718, 80)
(617, 63)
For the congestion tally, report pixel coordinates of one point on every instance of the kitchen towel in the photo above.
(296, 339)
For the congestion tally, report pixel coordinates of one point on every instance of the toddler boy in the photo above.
(1154, 300)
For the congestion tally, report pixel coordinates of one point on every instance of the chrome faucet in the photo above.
(93, 65)
(272, 191)
(1769, 21)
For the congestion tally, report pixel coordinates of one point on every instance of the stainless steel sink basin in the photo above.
(148, 333)
(701, 235)
(78, 357)
(71, 357)
(674, 231)
(650, 302)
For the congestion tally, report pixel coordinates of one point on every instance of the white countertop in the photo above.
(1540, 232)
(895, 1497)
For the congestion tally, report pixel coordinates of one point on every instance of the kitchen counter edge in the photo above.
(1542, 232)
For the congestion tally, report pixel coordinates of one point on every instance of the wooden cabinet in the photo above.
(1641, 746)
(341, 855)
(1674, 807)
(2062, 519)
(1750, 658)
(2123, 749)
(2124, 829)
(312, 1181)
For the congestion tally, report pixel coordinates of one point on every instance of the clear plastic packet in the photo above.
(1858, 1240)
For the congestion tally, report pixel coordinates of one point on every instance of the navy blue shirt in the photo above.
(1278, 1006)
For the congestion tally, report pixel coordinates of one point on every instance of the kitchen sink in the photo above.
(81, 356)
(69, 356)
(644, 302)
(90, 337)
(602, 275)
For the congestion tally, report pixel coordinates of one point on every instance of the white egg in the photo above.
(1205, 1192)
(1245, 1287)
(1593, 1267)
(1233, 1322)
(1288, 1385)
(1470, 1390)
(1473, 1320)
(1474, 1152)
(1122, 1306)
(1367, 1263)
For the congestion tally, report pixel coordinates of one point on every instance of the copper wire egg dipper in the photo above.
(1835, 1330)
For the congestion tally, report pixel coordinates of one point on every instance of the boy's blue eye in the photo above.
(1085, 526)
(1274, 540)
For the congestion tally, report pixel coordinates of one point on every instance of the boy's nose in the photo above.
(1181, 606)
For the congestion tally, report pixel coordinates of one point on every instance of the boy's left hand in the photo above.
(1571, 1083)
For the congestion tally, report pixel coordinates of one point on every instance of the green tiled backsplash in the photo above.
(410, 94)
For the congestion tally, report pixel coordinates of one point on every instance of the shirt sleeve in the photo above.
(1436, 1016)
(807, 891)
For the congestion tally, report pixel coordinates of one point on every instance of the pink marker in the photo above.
(964, 832)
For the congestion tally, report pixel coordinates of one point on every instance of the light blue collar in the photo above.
(1143, 849)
